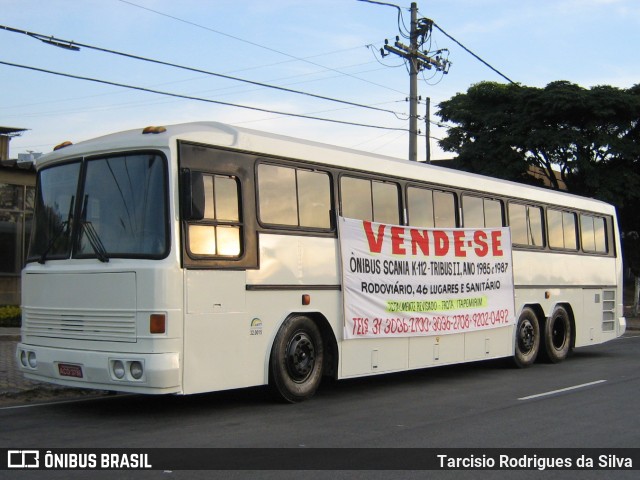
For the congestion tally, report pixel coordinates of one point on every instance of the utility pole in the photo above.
(427, 128)
(418, 61)
(413, 85)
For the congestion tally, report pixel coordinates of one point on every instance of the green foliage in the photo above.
(591, 136)
(483, 135)
(501, 130)
(631, 254)
(10, 316)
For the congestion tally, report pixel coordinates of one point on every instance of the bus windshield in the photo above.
(122, 211)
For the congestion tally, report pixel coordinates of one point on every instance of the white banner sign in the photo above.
(401, 281)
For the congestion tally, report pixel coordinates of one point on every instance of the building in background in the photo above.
(17, 190)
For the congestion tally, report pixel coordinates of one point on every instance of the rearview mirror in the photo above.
(192, 188)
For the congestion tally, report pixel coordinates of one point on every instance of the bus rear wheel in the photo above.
(297, 357)
(557, 335)
(527, 338)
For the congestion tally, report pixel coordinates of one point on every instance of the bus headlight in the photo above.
(23, 358)
(31, 358)
(118, 369)
(136, 370)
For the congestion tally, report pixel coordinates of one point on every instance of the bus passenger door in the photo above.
(219, 244)
(215, 331)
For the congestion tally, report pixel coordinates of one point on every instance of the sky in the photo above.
(324, 47)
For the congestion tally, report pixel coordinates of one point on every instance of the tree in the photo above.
(590, 136)
(483, 136)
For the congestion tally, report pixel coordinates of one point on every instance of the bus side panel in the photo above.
(287, 260)
(219, 352)
(245, 309)
(579, 281)
(489, 343)
(562, 270)
(435, 350)
(371, 356)
(589, 320)
(595, 326)
(368, 356)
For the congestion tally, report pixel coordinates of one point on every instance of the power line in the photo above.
(73, 45)
(402, 27)
(132, 104)
(229, 90)
(194, 24)
(473, 54)
(199, 99)
(199, 93)
(240, 39)
(291, 60)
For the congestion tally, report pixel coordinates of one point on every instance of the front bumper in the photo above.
(95, 370)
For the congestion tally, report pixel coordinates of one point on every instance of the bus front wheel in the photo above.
(557, 335)
(297, 357)
(527, 338)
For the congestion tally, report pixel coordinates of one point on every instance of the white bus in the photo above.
(201, 257)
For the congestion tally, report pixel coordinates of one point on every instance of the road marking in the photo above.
(575, 387)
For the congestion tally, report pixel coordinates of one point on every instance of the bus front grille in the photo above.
(96, 325)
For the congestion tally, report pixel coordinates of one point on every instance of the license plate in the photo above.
(67, 370)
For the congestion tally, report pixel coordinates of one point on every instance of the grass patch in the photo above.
(10, 316)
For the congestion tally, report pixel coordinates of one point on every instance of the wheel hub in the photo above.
(558, 334)
(526, 337)
(301, 356)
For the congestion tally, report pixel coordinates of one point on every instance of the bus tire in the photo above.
(296, 362)
(557, 335)
(527, 338)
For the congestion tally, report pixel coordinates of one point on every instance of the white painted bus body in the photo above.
(221, 323)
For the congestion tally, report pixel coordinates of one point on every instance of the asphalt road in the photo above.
(589, 401)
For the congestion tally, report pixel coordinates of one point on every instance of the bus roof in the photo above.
(248, 140)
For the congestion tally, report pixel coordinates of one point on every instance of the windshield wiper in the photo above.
(64, 228)
(94, 239)
(92, 235)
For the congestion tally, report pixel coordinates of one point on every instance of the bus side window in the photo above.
(444, 209)
(314, 199)
(562, 229)
(431, 208)
(593, 234)
(355, 196)
(294, 197)
(526, 225)
(420, 206)
(385, 202)
(481, 212)
(493, 216)
(218, 231)
(600, 234)
(369, 200)
(472, 211)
